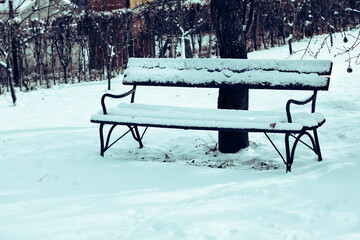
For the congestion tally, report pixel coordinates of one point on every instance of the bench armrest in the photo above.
(312, 99)
(132, 92)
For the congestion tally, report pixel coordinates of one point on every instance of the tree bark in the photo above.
(9, 60)
(233, 98)
(227, 17)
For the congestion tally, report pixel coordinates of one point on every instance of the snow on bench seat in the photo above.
(203, 118)
(257, 73)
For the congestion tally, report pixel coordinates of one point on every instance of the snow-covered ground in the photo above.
(54, 184)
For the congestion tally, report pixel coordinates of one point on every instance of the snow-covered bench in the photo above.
(215, 73)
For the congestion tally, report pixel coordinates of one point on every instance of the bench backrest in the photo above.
(216, 72)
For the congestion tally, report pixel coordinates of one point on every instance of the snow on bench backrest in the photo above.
(253, 73)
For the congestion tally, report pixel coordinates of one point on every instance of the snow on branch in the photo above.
(352, 10)
(3, 64)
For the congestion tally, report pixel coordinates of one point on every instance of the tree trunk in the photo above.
(210, 41)
(15, 63)
(233, 98)
(199, 44)
(9, 60)
(188, 51)
(227, 17)
(65, 73)
(108, 69)
(290, 46)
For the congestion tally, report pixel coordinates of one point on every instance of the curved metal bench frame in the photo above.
(290, 150)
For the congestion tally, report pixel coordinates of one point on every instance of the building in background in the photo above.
(107, 5)
(116, 25)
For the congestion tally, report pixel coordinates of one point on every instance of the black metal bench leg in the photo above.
(101, 131)
(138, 137)
(289, 155)
(317, 146)
(105, 145)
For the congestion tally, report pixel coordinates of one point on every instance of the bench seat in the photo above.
(208, 119)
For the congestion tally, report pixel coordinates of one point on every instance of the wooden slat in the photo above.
(240, 85)
(202, 78)
(321, 67)
(215, 73)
